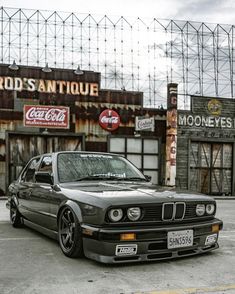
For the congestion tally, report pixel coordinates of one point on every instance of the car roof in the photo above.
(81, 152)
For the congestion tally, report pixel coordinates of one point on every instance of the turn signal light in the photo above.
(215, 228)
(127, 236)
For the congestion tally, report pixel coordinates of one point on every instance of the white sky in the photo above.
(208, 11)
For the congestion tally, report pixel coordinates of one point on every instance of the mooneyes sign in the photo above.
(49, 86)
(213, 120)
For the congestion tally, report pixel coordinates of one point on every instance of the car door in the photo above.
(25, 188)
(41, 195)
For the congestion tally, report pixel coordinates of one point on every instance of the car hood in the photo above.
(121, 193)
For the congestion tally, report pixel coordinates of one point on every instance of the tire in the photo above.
(15, 216)
(69, 233)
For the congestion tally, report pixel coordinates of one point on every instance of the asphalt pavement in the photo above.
(34, 264)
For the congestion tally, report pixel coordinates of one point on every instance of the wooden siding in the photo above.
(186, 134)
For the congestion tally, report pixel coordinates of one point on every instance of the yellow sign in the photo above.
(214, 107)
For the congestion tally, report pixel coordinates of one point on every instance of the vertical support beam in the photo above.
(171, 134)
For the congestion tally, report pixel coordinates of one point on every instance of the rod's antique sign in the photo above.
(49, 86)
(46, 116)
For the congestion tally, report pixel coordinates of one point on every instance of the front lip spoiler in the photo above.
(148, 257)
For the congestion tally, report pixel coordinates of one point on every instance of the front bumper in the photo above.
(101, 244)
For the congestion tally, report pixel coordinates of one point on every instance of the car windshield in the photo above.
(74, 167)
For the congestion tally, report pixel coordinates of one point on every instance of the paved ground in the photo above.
(32, 263)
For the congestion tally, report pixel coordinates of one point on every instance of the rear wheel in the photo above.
(15, 216)
(69, 231)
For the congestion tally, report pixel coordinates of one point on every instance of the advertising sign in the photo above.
(171, 134)
(48, 86)
(45, 116)
(142, 124)
(109, 120)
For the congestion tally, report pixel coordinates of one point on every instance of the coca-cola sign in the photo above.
(109, 120)
(46, 116)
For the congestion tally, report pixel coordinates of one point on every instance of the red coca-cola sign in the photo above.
(46, 116)
(109, 120)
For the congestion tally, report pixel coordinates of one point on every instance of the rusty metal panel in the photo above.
(6, 100)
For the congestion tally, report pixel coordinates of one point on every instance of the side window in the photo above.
(46, 164)
(28, 175)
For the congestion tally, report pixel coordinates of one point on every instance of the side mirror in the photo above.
(148, 178)
(44, 177)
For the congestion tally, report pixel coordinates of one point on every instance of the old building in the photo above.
(205, 153)
(44, 110)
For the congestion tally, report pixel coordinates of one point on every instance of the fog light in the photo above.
(127, 236)
(215, 228)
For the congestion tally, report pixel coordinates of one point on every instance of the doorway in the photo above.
(211, 168)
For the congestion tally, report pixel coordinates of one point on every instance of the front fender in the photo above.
(74, 206)
(10, 199)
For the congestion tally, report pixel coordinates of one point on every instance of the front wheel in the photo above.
(69, 233)
(15, 216)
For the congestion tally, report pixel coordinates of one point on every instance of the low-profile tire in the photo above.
(70, 233)
(15, 216)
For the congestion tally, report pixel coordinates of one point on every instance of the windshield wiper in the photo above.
(91, 177)
(99, 177)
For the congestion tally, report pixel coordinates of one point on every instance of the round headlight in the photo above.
(133, 213)
(115, 214)
(210, 208)
(200, 209)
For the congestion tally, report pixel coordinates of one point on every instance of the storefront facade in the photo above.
(205, 153)
(61, 110)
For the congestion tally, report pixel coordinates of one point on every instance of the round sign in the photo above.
(109, 120)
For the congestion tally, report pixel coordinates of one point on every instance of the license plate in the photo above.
(178, 239)
(128, 249)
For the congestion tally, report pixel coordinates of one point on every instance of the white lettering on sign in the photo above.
(49, 86)
(203, 121)
(54, 114)
(107, 119)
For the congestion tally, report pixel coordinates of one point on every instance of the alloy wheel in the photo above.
(67, 227)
